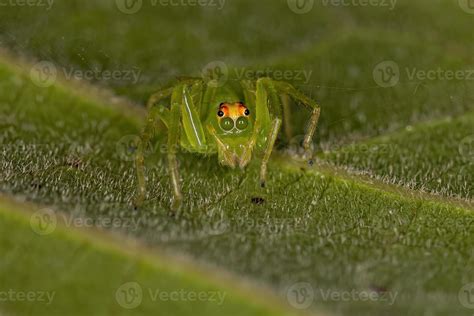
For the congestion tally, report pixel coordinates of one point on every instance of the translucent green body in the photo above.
(207, 118)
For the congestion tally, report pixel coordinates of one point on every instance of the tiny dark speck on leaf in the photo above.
(258, 200)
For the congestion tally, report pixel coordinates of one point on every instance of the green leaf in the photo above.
(50, 269)
(382, 224)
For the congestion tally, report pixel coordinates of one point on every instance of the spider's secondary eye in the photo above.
(227, 124)
(220, 113)
(247, 112)
(242, 123)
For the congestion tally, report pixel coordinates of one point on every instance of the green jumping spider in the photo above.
(207, 118)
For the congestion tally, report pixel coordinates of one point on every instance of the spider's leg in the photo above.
(202, 95)
(173, 143)
(248, 88)
(272, 136)
(208, 97)
(158, 96)
(191, 122)
(247, 152)
(297, 95)
(197, 94)
(154, 113)
(224, 154)
(267, 96)
(285, 101)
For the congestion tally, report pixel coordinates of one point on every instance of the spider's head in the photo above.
(233, 118)
(234, 127)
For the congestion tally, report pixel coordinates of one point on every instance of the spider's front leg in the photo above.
(183, 117)
(173, 142)
(286, 88)
(155, 111)
(269, 113)
(268, 116)
(182, 113)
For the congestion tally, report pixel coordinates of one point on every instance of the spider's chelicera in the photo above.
(237, 125)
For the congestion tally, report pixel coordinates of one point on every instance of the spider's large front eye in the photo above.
(242, 123)
(227, 124)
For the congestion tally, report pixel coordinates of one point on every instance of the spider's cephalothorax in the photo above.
(208, 119)
(233, 134)
(233, 117)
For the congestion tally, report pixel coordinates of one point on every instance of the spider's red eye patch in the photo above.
(243, 109)
(223, 110)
